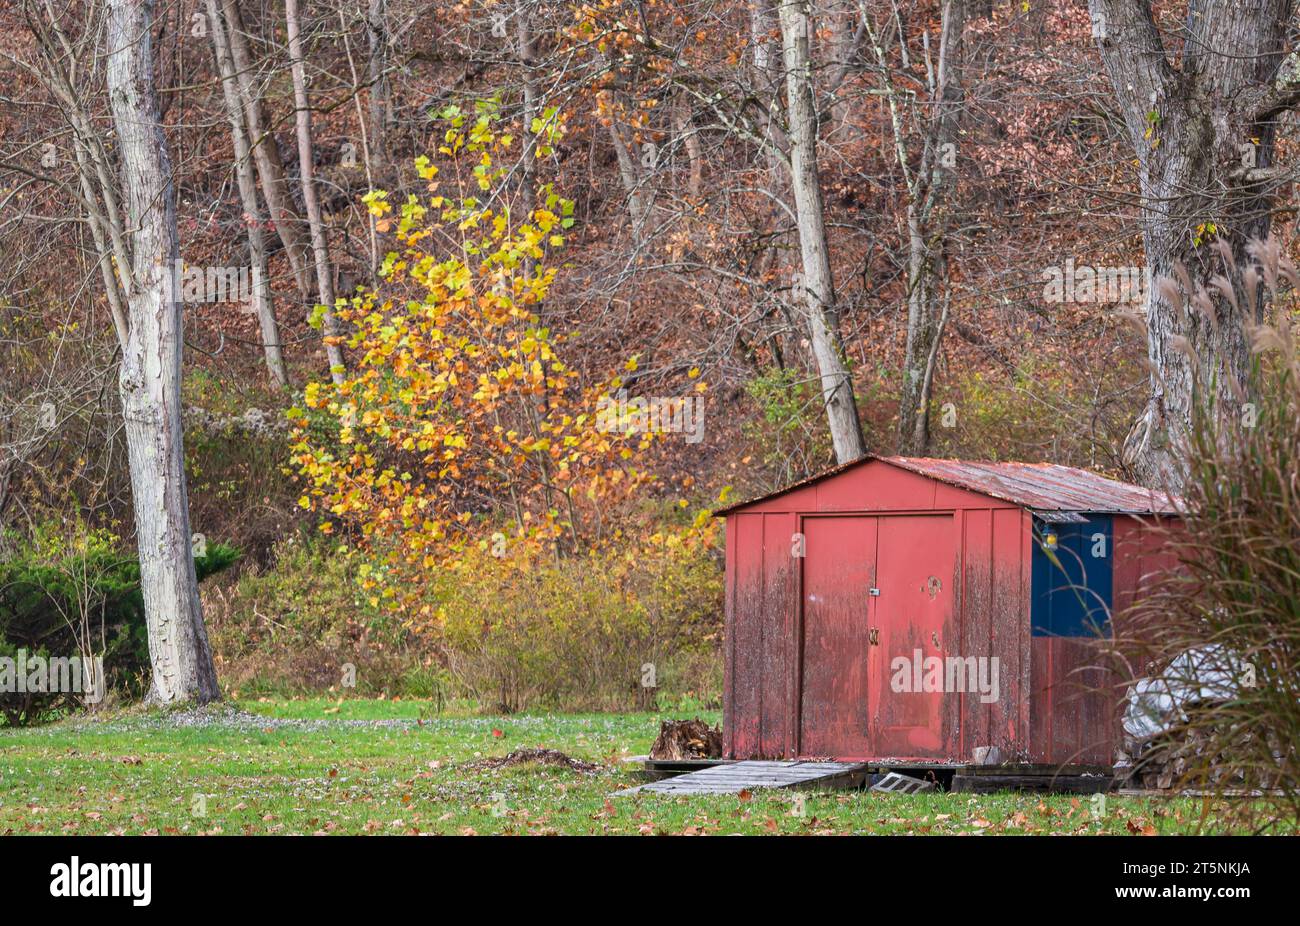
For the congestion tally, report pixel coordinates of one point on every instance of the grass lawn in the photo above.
(367, 766)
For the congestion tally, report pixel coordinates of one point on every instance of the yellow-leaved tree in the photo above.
(458, 428)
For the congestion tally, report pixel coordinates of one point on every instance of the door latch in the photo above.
(873, 636)
(873, 592)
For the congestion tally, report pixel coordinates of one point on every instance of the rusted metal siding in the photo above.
(1072, 599)
(744, 644)
(777, 632)
(1071, 701)
(758, 634)
(994, 623)
(1142, 553)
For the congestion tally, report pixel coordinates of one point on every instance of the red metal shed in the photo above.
(915, 609)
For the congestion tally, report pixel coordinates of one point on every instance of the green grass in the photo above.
(370, 766)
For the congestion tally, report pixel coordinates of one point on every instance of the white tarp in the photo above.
(1206, 673)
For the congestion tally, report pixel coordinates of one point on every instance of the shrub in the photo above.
(603, 631)
(234, 460)
(295, 626)
(1042, 410)
(461, 430)
(789, 433)
(73, 592)
(508, 633)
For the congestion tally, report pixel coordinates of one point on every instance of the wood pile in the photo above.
(1199, 753)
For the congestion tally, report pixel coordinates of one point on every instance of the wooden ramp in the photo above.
(740, 776)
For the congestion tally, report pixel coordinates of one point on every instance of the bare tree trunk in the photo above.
(1204, 137)
(266, 154)
(768, 92)
(927, 220)
(319, 243)
(927, 316)
(262, 303)
(818, 286)
(527, 64)
(150, 376)
(766, 74)
(684, 124)
(381, 100)
(631, 171)
(366, 158)
(847, 32)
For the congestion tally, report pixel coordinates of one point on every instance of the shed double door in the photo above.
(875, 588)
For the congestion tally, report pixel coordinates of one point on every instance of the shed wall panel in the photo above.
(1143, 552)
(1077, 687)
(1073, 597)
(777, 631)
(993, 625)
(880, 487)
(876, 489)
(747, 637)
(953, 634)
(804, 499)
(729, 636)
(1008, 625)
(976, 633)
(1073, 703)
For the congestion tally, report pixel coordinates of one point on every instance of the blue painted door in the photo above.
(1073, 578)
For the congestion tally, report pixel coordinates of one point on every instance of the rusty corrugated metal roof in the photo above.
(1042, 486)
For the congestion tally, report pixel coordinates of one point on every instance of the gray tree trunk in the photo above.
(381, 97)
(1204, 137)
(765, 71)
(637, 179)
(927, 219)
(818, 285)
(686, 131)
(846, 29)
(266, 153)
(150, 375)
(316, 222)
(527, 66)
(262, 304)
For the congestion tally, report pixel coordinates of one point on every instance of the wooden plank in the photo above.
(1061, 784)
(658, 769)
(739, 776)
(1044, 769)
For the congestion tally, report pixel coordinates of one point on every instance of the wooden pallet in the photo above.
(658, 769)
(735, 777)
(985, 779)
